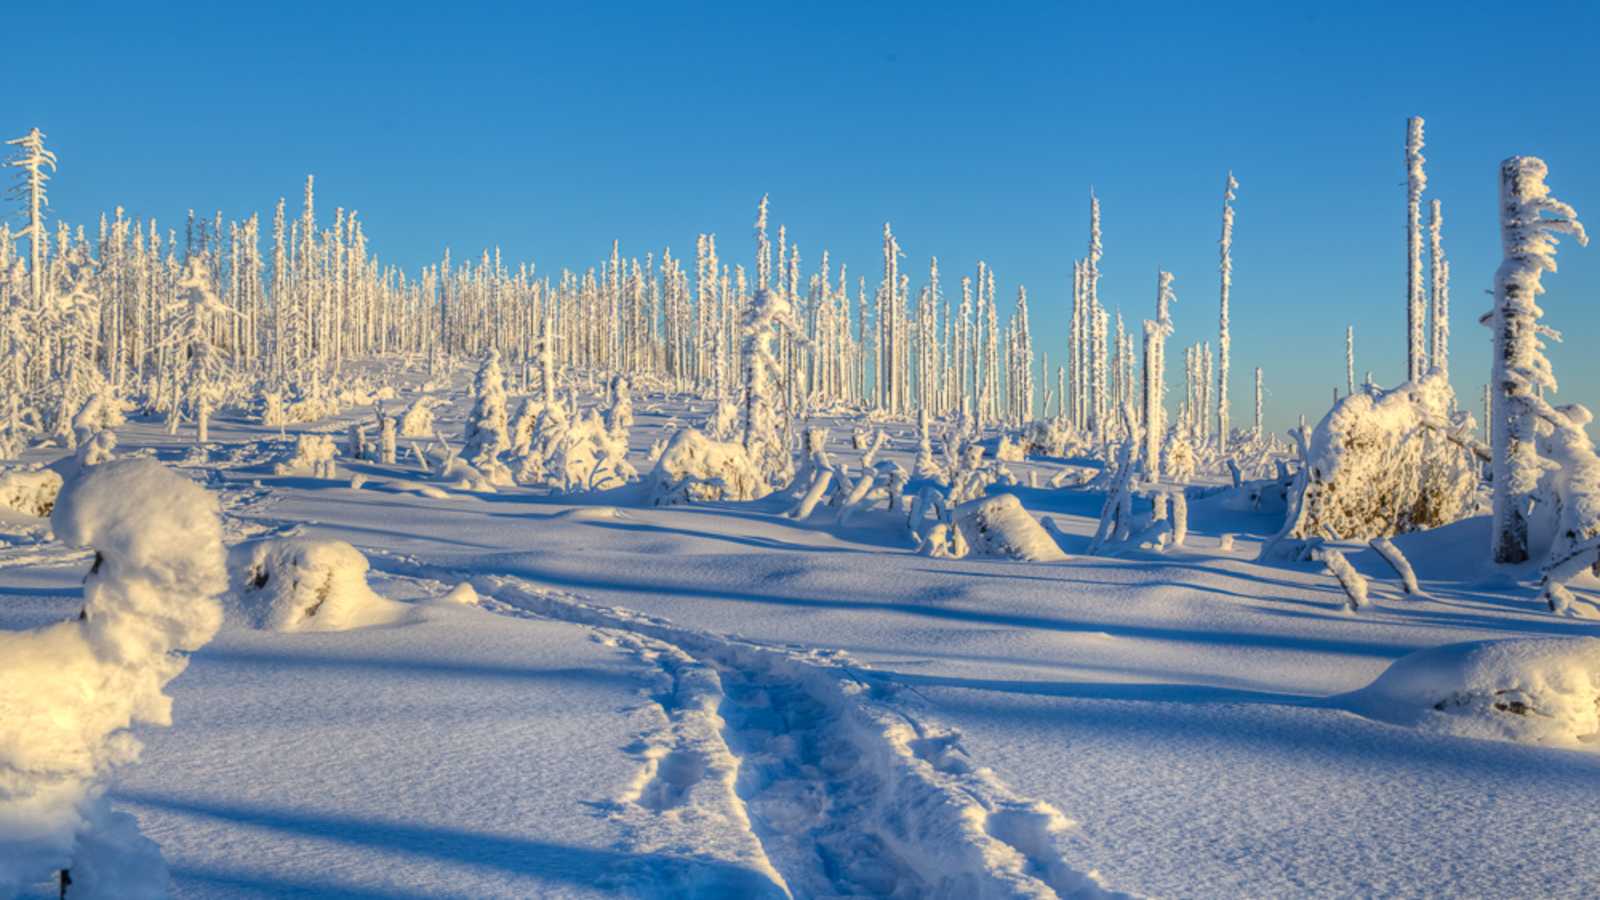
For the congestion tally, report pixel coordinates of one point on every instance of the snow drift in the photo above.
(1532, 690)
(69, 692)
(301, 584)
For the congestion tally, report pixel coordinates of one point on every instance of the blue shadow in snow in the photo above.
(604, 869)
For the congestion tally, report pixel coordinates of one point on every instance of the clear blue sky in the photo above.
(977, 130)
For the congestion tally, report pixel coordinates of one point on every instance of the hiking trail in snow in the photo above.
(815, 784)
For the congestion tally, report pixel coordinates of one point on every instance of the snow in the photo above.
(70, 691)
(1533, 690)
(696, 468)
(999, 526)
(31, 492)
(589, 695)
(301, 584)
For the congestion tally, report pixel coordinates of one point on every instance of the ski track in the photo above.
(816, 784)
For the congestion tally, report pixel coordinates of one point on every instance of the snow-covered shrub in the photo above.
(1569, 490)
(1180, 462)
(723, 424)
(1383, 463)
(541, 429)
(31, 492)
(301, 584)
(970, 476)
(695, 468)
(1533, 690)
(619, 415)
(1009, 449)
(462, 475)
(589, 456)
(417, 420)
(1050, 437)
(273, 414)
(387, 438)
(1116, 514)
(99, 412)
(95, 450)
(313, 455)
(992, 526)
(524, 424)
(70, 692)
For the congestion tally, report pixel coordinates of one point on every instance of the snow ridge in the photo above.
(847, 794)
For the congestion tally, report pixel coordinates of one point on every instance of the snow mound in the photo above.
(590, 514)
(1532, 690)
(462, 594)
(303, 584)
(999, 526)
(32, 493)
(70, 692)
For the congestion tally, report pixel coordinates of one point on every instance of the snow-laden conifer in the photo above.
(1530, 219)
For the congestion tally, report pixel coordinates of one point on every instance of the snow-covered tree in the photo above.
(1156, 332)
(1530, 219)
(1416, 309)
(31, 159)
(1439, 268)
(1224, 340)
(193, 318)
(487, 433)
(768, 317)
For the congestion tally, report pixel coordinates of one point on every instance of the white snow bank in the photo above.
(69, 692)
(30, 492)
(1533, 690)
(303, 584)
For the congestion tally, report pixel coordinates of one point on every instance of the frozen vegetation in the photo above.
(670, 578)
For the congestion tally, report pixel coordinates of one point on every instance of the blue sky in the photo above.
(977, 131)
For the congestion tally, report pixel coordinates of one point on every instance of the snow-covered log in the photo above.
(1353, 582)
(1397, 561)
